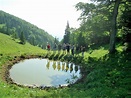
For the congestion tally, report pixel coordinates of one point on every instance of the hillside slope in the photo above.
(105, 75)
(8, 46)
(12, 25)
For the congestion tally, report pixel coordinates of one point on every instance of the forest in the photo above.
(20, 29)
(102, 22)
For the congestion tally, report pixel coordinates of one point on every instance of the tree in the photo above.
(81, 41)
(67, 34)
(56, 41)
(125, 24)
(32, 39)
(14, 33)
(22, 38)
(94, 25)
(114, 27)
(112, 7)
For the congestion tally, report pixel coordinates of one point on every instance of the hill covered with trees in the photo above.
(18, 28)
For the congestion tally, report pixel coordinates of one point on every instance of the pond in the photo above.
(43, 72)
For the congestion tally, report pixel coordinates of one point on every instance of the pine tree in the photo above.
(67, 34)
(22, 38)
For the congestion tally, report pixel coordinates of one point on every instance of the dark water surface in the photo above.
(43, 72)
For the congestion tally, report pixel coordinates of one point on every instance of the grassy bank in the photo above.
(106, 76)
(8, 46)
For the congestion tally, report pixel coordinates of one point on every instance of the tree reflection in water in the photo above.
(76, 68)
(67, 67)
(63, 66)
(71, 67)
(45, 72)
(48, 64)
(58, 66)
(54, 65)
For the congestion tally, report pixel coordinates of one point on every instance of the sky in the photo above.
(49, 15)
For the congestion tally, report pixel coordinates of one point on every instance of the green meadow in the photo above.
(105, 75)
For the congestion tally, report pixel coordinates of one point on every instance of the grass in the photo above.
(106, 76)
(8, 46)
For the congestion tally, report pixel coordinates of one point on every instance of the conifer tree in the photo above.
(22, 38)
(67, 34)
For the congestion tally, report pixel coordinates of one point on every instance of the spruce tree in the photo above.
(22, 38)
(67, 34)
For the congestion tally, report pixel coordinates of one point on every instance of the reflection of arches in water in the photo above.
(58, 66)
(54, 65)
(67, 67)
(48, 64)
(71, 67)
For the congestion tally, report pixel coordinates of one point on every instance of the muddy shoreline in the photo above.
(6, 77)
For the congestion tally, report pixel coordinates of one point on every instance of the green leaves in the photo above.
(86, 8)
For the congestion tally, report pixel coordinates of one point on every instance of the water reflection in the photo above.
(76, 68)
(54, 65)
(58, 66)
(71, 67)
(44, 72)
(62, 66)
(48, 65)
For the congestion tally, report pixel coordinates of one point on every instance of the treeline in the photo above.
(18, 28)
(102, 22)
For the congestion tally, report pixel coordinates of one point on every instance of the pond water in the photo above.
(43, 72)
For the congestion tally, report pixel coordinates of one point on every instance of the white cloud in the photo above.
(50, 15)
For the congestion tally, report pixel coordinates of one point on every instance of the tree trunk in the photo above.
(114, 27)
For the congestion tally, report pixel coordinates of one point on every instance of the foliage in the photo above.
(22, 38)
(124, 23)
(99, 23)
(13, 26)
(105, 75)
(94, 28)
(66, 38)
(110, 78)
(108, 75)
